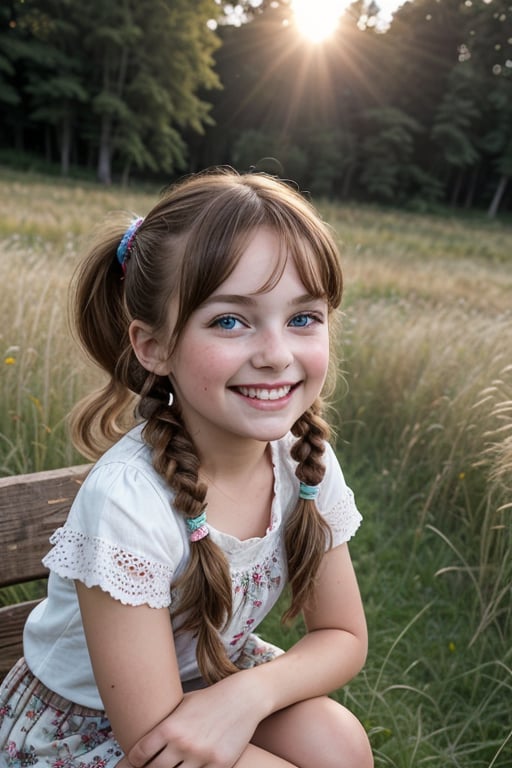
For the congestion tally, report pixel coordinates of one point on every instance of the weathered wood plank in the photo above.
(12, 621)
(31, 508)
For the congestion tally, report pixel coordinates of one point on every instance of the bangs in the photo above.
(219, 229)
(313, 252)
(308, 266)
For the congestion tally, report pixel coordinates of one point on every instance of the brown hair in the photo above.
(187, 245)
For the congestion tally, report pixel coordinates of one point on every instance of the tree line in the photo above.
(110, 83)
(416, 115)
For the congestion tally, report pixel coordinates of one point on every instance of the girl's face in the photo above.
(248, 364)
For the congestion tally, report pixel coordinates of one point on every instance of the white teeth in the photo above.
(265, 394)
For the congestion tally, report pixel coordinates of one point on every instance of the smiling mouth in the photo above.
(258, 393)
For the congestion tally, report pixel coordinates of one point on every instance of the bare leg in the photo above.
(255, 757)
(252, 757)
(316, 732)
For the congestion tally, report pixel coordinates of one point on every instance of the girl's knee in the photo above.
(356, 748)
(316, 732)
(344, 741)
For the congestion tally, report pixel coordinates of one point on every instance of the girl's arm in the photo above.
(332, 652)
(335, 647)
(136, 671)
(134, 662)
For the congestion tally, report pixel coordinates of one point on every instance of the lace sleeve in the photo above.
(336, 501)
(128, 577)
(344, 518)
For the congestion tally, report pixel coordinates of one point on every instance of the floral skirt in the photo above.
(38, 727)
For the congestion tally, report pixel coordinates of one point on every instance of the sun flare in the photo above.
(317, 19)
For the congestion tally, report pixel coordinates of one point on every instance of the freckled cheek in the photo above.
(318, 362)
(208, 366)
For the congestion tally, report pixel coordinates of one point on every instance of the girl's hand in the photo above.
(210, 728)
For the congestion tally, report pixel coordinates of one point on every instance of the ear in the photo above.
(150, 352)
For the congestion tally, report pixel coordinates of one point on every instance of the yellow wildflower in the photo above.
(451, 646)
(36, 402)
(9, 360)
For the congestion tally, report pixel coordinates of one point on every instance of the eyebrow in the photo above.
(249, 300)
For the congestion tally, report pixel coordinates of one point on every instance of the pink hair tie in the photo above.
(197, 526)
(199, 533)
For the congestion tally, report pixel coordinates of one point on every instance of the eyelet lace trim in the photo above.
(130, 578)
(344, 519)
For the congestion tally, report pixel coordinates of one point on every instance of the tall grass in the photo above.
(423, 417)
(428, 409)
(424, 422)
(43, 227)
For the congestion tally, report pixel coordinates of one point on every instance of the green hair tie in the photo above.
(308, 492)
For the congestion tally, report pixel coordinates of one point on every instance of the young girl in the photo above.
(213, 315)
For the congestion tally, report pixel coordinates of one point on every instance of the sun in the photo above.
(317, 19)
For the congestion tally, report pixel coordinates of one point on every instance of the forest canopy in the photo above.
(416, 114)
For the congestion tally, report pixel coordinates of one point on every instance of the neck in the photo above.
(233, 461)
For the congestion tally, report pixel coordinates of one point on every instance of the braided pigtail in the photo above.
(306, 533)
(205, 601)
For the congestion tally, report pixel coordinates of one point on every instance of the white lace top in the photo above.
(123, 535)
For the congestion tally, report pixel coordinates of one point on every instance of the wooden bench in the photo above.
(31, 508)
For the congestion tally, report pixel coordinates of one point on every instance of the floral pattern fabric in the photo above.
(39, 728)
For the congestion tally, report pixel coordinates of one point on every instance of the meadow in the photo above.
(423, 424)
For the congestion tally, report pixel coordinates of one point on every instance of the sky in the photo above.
(316, 18)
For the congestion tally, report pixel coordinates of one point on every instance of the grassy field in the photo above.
(423, 417)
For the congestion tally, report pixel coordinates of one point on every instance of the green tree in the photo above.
(488, 48)
(498, 140)
(8, 55)
(148, 63)
(422, 47)
(388, 149)
(16, 53)
(455, 121)
(55, 78)
(326, 161)
(128, 77)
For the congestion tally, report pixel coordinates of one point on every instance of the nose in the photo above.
(272, 350)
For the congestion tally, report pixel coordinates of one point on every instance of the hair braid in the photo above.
(205, 599)
(306, 533)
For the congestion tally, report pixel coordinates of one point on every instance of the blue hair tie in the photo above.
(197, 526)
(124, 247)
(308, 492)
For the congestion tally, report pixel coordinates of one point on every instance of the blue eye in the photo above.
(227, 322)
(302, 320)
